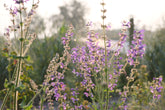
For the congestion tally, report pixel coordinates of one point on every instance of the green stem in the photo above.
(19, 64)
(41, 102)
(9, 91)
(34, 97)
(5, 99)
(106, 64)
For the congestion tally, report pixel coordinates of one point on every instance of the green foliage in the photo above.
(141, 94)
(122, 81)
(155, 54)
(3, 64)
(26, 88)
(23, 104)
(42, 51)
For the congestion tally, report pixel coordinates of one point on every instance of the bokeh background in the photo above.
(53, 16)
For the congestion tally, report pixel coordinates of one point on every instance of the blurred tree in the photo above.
(37, 25)
(70, 14)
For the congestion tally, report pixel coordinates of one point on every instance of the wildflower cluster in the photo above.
(87, 59)
(54, 76)
(97, 69)
(156, 88)
(138, 49)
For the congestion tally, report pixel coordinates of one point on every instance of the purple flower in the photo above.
(73, 93)
(156, 88)
(89, 23)
(77, 73)
(63, 86)
(55, 89)
(64, 105)
(86, 94)
(64, 96)
(108, 27)
(152, 89)
(53, 83)
(20, 1)
(159, 96)
(159, 88)
(160, 79)
(31, 12)
(52, 77)
(62, 65)
(80, 107)
(64, 39)
(13, 11)
(110, 76)
(125, 107)
(84, 82)
(71, 34)
(73, 100)
(108, 43)
(126, 24)
(57, 96)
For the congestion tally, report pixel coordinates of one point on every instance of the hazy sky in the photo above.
(145, 12)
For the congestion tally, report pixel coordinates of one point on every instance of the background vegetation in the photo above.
(44, 49)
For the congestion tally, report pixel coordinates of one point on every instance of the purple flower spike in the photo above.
(138, 49)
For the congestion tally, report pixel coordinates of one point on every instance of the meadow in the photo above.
(66, 72)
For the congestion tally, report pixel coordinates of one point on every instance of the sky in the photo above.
(148, 13)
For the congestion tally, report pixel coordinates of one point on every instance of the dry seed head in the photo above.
(33, 84)
(104, 10)
(103, 26)
(103, 3)
(104, 37)
(103, 17)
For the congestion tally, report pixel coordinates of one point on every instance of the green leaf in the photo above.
(21, 39)
(21, 23)
(6, 83)
(111, 91)
(21, 88)
(28, 58)
(13, 53)
(29, 67)
(5, 54)
(24, 106)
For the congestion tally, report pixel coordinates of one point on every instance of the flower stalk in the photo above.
(105, 47)
(20, 63)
